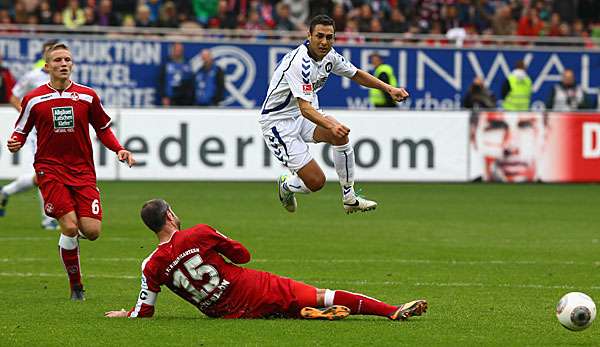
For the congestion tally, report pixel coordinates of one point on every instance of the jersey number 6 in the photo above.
(197, 271)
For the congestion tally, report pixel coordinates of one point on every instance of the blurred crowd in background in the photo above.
(551, 18)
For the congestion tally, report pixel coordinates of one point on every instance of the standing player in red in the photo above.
(190, 262)
(61, 112)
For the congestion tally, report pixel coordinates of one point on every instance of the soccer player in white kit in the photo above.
(290, 117)
(28, 82)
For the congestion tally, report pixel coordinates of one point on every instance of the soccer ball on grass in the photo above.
(576, 311)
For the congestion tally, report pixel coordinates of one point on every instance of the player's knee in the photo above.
(69, 229)
(91, 233)
(315, 182)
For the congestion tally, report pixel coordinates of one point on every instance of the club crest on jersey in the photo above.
(307, 88)
(49, 208)
(64, 118)
(74, 96)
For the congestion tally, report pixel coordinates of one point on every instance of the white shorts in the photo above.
(287, 140)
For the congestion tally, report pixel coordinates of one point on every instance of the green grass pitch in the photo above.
(492, 260)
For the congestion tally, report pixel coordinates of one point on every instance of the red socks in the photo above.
(70, 259)
(360, 304)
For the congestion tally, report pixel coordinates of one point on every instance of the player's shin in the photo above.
(343, 161)
(358, 303)
(69, 253)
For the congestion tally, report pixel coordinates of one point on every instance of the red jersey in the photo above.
(62, 121)
(191, 265)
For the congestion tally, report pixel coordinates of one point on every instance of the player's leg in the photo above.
(343, 161)
(307, 302)
(68, 247)
(362, 304)
(285, 142)
(89, 211)
(59, 203)
(89, 228)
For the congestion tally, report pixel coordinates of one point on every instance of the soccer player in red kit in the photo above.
(62, 111)
(191, 263)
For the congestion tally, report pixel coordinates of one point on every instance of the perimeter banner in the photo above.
(227, 144)
(535, 147)
(126, 72)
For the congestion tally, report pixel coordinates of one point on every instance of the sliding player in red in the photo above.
(191, 263)
(62, 111)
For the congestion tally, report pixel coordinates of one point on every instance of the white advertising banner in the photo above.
(227, 144)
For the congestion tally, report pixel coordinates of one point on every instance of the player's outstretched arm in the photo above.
(309, 112)
(367, 80)
(144, 307)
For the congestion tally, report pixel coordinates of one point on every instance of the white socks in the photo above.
(22, 183)
(343, 161)
(329, 295)
(294, 184)
(68, 243)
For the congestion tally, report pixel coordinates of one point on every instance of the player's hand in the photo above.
(398, 94)
(116, 314)
(14, 145)
(126, 156)
(338, 129)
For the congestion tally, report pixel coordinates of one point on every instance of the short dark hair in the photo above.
(322, 19)
(154, 214)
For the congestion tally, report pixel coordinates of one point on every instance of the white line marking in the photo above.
(47, 238)
(347, 282)
(44, 274)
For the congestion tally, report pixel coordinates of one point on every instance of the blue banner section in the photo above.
(126, 73)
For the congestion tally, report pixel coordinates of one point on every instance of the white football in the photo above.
(576, 311)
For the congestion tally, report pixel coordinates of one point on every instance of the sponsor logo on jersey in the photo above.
(307, 88)
(64, 117)
(319, 83)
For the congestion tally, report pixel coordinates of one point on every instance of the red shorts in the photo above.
(60, 199)
(258, 294)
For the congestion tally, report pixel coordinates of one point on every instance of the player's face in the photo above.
(60, 64)
(510, 145)
(321, 40)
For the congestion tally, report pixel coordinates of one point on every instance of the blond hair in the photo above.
(55, 47)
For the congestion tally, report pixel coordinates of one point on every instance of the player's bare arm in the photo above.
(15, 102)
(367, 80)
(327, 122)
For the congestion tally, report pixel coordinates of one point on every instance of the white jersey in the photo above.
(299, 76)
(29, 82)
